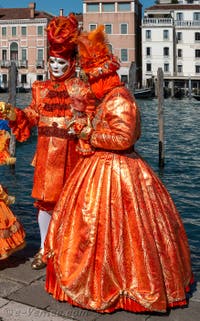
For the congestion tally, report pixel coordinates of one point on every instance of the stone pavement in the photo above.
(23, 298)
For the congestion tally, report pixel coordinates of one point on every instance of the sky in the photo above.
(53, 6)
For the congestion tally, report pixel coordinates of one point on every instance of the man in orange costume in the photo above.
(51, 110)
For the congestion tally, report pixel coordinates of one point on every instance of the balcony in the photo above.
(187, 23)
(4, 63)
(157, 22)
(152, 22)
(7, 63)
(40, 64)
(23, 64)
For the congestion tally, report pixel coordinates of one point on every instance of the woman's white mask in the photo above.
(58, 66)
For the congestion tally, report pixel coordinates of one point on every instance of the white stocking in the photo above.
(43, 221)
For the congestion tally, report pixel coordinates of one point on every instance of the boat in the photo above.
(178, 93)
(197, 97)
(143, 93)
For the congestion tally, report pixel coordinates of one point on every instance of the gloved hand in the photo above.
(7, 111)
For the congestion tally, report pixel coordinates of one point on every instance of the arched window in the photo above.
(14, 51)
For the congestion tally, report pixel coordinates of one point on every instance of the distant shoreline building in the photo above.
(23, 40)
(171, 40)
(122, 21)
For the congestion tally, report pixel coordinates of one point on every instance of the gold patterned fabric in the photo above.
(116, 239)
(12, 234)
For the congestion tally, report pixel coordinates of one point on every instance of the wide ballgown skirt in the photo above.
(12, 234)
(116, 239)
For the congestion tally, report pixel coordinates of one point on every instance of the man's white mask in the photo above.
(58, 66)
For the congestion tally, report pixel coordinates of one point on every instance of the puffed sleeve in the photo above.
(119, 126)
(26, 118)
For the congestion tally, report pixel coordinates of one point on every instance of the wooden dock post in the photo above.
(12, 84)
(160, 93)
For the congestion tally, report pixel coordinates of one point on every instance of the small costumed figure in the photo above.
(52, 112)
(12, 234)
(5, 158)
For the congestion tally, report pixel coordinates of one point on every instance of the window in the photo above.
(3, 31)
(148, 67)
(148, 51)
(166, 67)
(92, 7)
(197, 36)
(92, 27)
(40, 77)
(197, 69)
(24, 79)
(124, 79)
(40, 54)
(40, 30)
(148, 34)
(179, 16)
(14, 51)
(4, 78)
(179, 68)
(179, 36)
(124, 55)
(124, 6)
(40, 57)
(124, 28)
(23, 31)
(165, 34)
(108, 7)
(197, 53)
(196, 16)
(14, 31)
(166, 51)
(4, 54)
(23, 54)
(108, 29)
(180, 53)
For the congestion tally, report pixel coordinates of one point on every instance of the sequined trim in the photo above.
(54, 131)
(6, 233)
(53, 107)
(60, 94)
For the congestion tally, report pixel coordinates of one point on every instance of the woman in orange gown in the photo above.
(116, 240)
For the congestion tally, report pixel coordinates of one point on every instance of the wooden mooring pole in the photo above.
(12, 84)
(160, 92)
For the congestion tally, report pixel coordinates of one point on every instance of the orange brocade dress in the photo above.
(12, 234)
(116, 240)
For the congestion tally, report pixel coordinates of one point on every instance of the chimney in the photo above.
(61, 12)
(32, 9)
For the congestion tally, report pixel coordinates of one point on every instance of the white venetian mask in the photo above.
(58, 66)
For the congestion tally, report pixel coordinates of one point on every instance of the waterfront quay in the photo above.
(23, 297)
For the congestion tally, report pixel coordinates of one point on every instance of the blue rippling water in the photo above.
(181, 173)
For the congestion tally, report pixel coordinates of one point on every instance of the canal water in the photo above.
(181, 173)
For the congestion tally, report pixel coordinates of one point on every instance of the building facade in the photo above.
(122, 21)
(171, 41)
(23, 40)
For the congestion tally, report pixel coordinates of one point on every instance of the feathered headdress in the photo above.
(94, 54)
(62, 35)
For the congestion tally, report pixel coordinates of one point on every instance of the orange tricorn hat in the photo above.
(62, 34)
